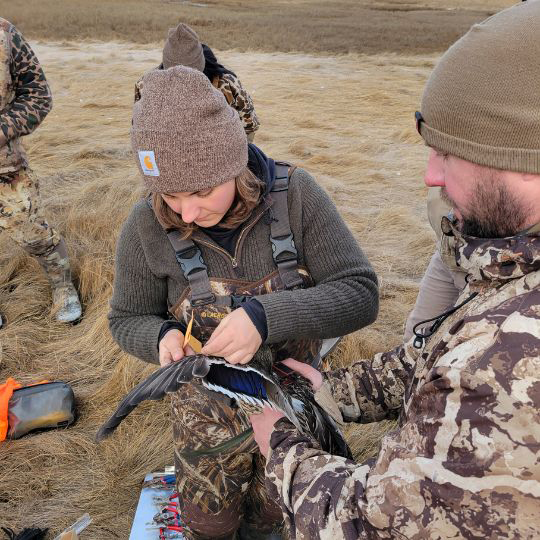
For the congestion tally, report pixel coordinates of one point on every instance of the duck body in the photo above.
(253, 386)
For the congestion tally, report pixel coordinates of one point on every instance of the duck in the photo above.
(257, 384)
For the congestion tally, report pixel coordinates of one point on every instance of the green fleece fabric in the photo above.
(148, 279)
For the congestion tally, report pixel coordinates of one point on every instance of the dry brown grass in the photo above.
(359, 142)
(349, 120)
(337, 26)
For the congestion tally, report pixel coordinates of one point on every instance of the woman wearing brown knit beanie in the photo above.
(250, 252)
(183, 48)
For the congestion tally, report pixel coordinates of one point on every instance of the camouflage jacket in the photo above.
(235, 95)
(25, 97)
(238, 99)
(464, 461)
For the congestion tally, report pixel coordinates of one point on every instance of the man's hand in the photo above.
(308, 372)
(170, 348)
(263, 425)
(236, 339)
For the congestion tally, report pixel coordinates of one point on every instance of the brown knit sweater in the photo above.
(149, 280)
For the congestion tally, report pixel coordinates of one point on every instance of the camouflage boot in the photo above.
(66, 305)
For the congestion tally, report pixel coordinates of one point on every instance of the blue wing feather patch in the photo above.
(238, 381)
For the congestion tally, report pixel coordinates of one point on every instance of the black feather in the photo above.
(165, 380)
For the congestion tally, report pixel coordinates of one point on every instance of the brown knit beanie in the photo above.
(481, 102)
(183, 48)
(184, 135)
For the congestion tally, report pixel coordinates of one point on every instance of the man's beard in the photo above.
(493, 210)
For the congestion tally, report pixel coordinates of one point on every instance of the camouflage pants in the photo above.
(218, 492)
(21, 219)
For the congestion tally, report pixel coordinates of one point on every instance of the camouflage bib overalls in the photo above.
(220, 472)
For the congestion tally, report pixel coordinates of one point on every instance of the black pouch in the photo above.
(46, 405)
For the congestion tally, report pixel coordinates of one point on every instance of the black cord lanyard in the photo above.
(422, 335)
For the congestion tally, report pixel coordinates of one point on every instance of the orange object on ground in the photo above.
(6, 391)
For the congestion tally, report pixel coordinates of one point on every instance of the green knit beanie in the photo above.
(482, 101)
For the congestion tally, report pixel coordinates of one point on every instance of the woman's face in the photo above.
(204, 208)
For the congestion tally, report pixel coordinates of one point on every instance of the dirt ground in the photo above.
(348, 119)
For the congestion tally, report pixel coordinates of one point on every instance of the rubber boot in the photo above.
(66, 304)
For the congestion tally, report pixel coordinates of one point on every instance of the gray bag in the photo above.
(46, 405)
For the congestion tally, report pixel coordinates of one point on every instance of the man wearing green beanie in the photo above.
(464, 460)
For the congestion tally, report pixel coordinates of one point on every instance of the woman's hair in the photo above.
(212, 68)
(249, 192)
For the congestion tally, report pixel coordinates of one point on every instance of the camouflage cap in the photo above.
(481, 101)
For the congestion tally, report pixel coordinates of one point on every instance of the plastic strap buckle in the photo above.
(203, 300)
(190, 264)
(283, 246)
(237, 300)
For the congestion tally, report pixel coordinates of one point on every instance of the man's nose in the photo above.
(434, 175)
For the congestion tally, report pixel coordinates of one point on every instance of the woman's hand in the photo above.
(236, 339)
(170, 347)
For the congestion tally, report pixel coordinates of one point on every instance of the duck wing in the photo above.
(238, 383)
(247, 383)
(163, 381)
(310, 418)
(327, 432)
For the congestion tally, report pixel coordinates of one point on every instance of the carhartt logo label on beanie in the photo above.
(148, 163)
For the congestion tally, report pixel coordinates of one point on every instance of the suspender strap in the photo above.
(283, 248)
(190, 259)
(284, 251)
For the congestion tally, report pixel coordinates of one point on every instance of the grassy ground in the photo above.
(338, 26)
(361, 145)
(347, 119)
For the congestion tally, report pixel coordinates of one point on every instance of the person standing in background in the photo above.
(183, 48)
(25, 100)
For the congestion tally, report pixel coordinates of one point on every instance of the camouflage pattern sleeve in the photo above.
(319, 494)
(138, 90)
(240, 100)
(372, 390)
(32, 98)
(464, 462)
